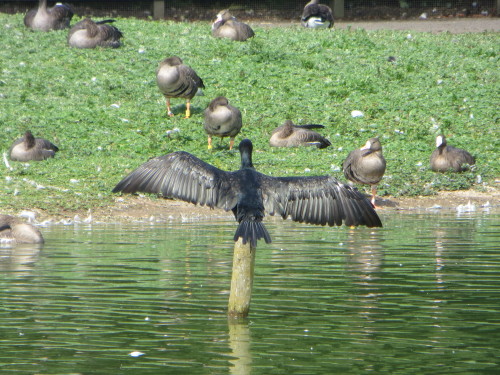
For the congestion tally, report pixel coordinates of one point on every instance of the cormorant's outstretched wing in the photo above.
(317, 200)
(182, 176)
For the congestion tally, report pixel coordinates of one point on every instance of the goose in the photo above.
(90, 34)
(176, 80)
(317, 15)
(45, 19)
(16, 231)
(366, 165)
(291, 135)
(249, 194)
(30, 148)
(445, 157)
(227, 26)
(222, 120)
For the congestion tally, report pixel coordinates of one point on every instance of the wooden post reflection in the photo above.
(239, 341)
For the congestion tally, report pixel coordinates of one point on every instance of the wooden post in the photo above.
(241, 279)
(338, 8)
(158, 9)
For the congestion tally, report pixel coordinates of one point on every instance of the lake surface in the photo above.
(419, 296)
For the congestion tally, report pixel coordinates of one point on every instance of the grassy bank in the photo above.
(103, 108)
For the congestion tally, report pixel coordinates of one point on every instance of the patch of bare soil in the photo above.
(130, 207)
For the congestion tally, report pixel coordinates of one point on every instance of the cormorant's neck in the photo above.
(246, 160)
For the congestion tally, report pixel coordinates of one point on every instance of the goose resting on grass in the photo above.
(316, 15)
(45, 19)
(16, 231)
(446, 157)
(176, 80)
(366, 165)
(30, 148)
(90, 34)
(222, 120)
(249, 194)
(227, 26)
(291, 135)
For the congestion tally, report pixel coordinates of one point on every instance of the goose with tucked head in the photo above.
(320, 200)
(316, 15)
(366, 165)
(445, 157)
(222, 120)
(45, 19)
(30, 148)
(14, 230)
(177, 80)
(291, 135)
(90, 34)
(227, 26)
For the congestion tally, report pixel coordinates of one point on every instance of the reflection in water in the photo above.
(20, 258)
(239, 341)
(325, 300)
(364, 264)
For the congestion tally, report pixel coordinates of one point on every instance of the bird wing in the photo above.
(45, 144)
(109, 32)
(317, 200)
(310, 126)
(191, 74)
(182, 176)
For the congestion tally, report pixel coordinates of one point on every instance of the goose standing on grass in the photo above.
(176, 80)
(16, 231)
(366, 165)
(30, 148)
(291, 135)
(227, 26)
(222, 120)
(90, 34)
(446, 157)
(316, 15)
(249, 194)
(45, 19)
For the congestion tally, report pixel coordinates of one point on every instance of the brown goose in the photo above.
(90, 34)
(177, 80)
(291, 135)
(249, 194)
(446, 157)
(366, 165)
(227, 26)
(316, 15)
(30, 148)
(222, 120)
(17, 231)
(45, 19)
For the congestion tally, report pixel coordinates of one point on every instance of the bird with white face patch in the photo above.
(316, 15)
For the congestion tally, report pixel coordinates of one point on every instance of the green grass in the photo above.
(103, 109)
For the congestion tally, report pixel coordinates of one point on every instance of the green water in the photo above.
(419, 296)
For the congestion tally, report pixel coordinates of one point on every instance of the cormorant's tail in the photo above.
(252, 231)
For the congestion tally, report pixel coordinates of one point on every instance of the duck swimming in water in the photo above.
(45, 19)
(16, 231)
(320, 200)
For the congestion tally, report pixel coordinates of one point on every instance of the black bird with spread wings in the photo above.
(319, 200)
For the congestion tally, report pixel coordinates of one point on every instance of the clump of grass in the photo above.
(103, 109)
